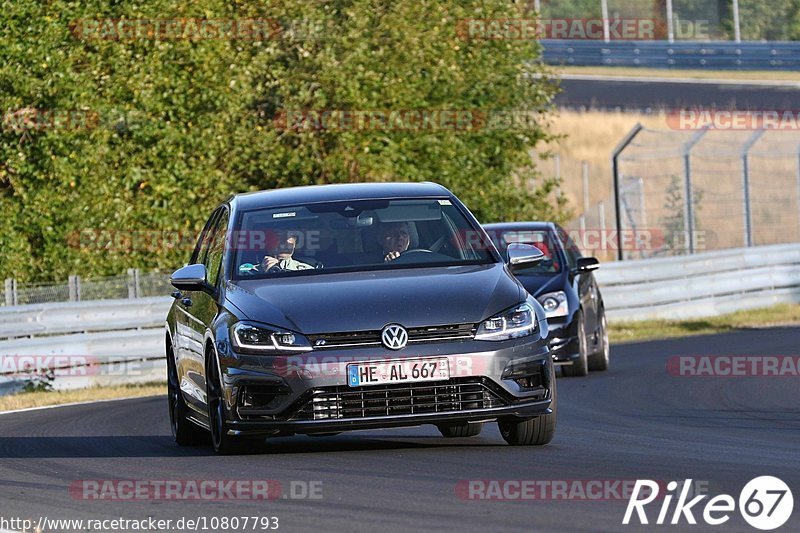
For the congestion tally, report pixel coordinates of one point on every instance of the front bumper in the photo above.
(309, 393)
(563, 341)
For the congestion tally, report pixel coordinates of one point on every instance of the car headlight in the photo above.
(248, 338)
(516, 322)
(555, 304)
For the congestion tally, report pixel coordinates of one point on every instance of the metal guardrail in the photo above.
(701, 285)
(87, 316)
(684, 54)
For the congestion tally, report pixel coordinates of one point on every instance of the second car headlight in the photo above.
(516, 322)
(555, 304)
(249, 338)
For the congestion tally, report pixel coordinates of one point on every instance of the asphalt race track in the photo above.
(643, 94)
(636, 421)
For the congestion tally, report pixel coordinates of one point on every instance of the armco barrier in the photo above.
(701, 285)
(693, 286)
(91, 315)
(684, 54)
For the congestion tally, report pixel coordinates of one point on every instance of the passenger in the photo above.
(395, 238)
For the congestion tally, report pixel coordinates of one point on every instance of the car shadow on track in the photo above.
(52, 447)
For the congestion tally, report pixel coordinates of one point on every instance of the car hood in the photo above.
(542, 284)
(361, 301)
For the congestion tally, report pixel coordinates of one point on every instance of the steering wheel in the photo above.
(416, 251)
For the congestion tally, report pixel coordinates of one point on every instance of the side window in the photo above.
(570, 248)
(216, 249)
(201, 248)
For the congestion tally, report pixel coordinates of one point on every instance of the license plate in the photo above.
(398, 371)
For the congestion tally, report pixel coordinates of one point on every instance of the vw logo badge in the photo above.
(394, 337)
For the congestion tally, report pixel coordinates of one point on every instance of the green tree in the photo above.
(184, 123)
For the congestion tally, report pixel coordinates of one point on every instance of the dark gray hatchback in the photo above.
(323, 309)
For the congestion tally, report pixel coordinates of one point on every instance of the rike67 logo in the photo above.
(765, 503)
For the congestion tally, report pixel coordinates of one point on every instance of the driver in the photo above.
(395, 239)
(280, 256)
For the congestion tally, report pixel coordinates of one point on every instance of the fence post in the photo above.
(11, 292)
(798, 185)
(585, 173)
(557, 170)
(688, 204)
(670, 23)
(737, 28)
(628, 139)
(74, 283)
(748, 215)
(133, 283)
(606, 22)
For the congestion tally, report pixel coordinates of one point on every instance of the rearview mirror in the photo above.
(587, 264)
(190, 278)
(521, 256)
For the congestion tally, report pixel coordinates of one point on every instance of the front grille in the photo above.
(397, 399)
(351, 339)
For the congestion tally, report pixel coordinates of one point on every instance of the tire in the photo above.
(580, 366)
(223, 443)
(600, 360)
(184, 432)
(532, 432)
(460, 430)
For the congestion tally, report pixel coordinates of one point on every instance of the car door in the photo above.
(204, 304)
(191, 330)
(584, 282)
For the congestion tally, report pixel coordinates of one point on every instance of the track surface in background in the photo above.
(644, 94)
(635, 421)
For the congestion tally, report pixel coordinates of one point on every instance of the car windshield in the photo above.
(354, 236)
(542, 239)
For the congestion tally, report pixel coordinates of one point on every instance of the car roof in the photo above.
(336, 193)
(516, 226)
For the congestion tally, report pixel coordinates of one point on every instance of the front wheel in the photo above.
(184, 432)
(223, 443)
(600, 360)
(533, 432)
(580, 366)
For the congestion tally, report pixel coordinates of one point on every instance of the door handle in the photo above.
(177, 294)
(187, 302)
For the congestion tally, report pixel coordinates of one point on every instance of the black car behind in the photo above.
(565, 285)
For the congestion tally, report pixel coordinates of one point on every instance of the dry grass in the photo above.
(24, 400)
(590, 136)
(778, 315)
(676, 73)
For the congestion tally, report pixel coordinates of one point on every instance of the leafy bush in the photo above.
(172, 127)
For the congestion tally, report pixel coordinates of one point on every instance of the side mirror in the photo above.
(587, 264)
(521, 256)
(190, 278)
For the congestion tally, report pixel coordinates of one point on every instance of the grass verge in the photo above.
(778, 315)
(24, 400)
(681, 73)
